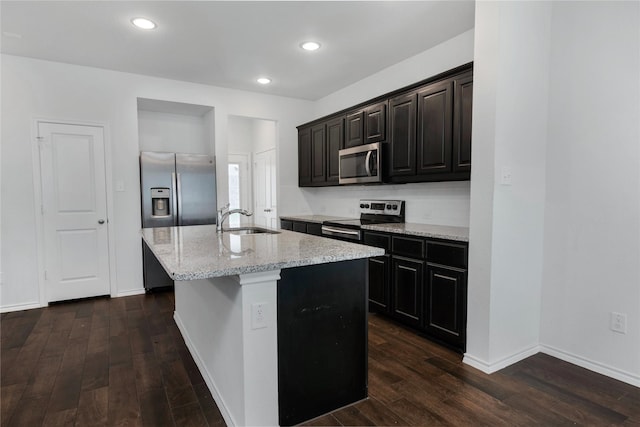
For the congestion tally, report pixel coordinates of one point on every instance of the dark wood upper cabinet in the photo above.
(463, 106)
(402, 135)
(335, 142)
(435, 126)
(425, 131)
(318, 154)
(304, 157)
(375, 128)
(354, 129)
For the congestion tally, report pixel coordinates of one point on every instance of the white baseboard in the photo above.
(20, 307)
(228, 419)
(130, 292)
(591, 365)
(490, 368)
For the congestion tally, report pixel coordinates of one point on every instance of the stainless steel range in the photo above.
(371, 212)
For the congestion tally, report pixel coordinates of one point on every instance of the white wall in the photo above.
(34, 88)
(507, 223)
(180, 133)
(592, 213)
(249, 135)
(444, 203)
(556, 99)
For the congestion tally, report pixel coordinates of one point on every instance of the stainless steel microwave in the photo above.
(360, 165)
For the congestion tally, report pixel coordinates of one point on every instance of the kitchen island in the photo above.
(275, 322)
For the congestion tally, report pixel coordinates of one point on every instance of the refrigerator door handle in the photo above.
(179, 199)
(174, 197)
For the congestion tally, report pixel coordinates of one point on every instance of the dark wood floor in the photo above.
(123, 362)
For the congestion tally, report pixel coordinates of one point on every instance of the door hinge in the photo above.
(45, 275)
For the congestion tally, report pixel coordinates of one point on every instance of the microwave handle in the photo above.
(366, 162)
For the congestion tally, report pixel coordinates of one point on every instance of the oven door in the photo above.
(360, 165)
(340, 233)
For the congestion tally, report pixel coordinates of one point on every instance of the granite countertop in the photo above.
(312, 218)
(460, 234)
(198, 252)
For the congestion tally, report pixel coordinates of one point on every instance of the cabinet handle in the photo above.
(101, 221)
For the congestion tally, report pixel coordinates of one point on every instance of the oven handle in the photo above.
(367, 160)
(333, 231)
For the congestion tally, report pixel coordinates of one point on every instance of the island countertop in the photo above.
(199, 252)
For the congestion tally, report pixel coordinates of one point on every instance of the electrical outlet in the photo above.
(258, 315)
(619, 322)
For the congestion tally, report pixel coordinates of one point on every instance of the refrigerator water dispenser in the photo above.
(160, 202)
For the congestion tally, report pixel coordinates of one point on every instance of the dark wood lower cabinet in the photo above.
(407, 289)
(379, 289)
(445, 303)
(422, 283)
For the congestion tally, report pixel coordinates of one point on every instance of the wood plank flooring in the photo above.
(122, 361)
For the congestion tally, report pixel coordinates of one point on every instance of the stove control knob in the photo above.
(388, 206)
(395, 207)
(361, 205)
(367, 206)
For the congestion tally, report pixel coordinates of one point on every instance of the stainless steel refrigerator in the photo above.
(176, 189)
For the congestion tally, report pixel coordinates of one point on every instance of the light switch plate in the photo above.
(505, 178)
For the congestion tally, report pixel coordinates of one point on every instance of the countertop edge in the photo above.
(276, 266)
(418, 233)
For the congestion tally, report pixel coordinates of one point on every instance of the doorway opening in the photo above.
(252, 171)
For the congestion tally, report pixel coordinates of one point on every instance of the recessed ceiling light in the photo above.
(310, 46)
(143, 23)
(264, 81)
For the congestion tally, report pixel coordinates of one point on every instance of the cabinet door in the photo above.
(354, 129)
(463, 106)
(402, 135)
(318, 152)
(304, 157)
(445, 304)
(314, 228)
(335, 142)
(300, 227)
(407, 275)
(435, 125)
(379, 283)
(286, 225)
(375, 128)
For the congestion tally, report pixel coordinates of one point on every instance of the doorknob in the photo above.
(267, 210)
(101, 221)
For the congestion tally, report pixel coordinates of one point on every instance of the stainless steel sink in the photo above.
(240, 231)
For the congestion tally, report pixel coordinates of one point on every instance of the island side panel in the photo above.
(322, 339)
(237, 359)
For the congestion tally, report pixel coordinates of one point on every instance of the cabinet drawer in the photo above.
(452, 254)
(300, 227)
(286, 225)
(315, 229)
(408, 246)
(378, 240)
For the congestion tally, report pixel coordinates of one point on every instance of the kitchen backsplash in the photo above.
(441, 203)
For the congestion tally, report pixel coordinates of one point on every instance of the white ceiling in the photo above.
(231, 43)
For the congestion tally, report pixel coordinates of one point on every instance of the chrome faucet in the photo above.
(224, 212)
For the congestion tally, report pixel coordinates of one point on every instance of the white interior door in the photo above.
(264, 189)
(74, 209)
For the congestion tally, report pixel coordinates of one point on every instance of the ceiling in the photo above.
(232, 43)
